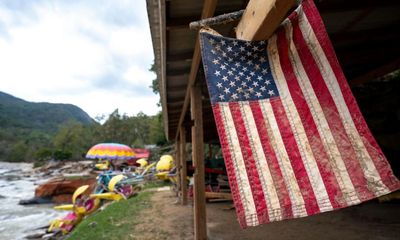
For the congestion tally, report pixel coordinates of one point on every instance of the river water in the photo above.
(17, 221)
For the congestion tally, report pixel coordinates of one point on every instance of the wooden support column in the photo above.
(183, 170)
(178, 166)
(200, 227)
(261, 18)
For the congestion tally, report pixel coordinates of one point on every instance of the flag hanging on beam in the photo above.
(293, 138)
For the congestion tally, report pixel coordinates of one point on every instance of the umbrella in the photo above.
(110, 151)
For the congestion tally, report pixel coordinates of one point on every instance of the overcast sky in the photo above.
(92, 53)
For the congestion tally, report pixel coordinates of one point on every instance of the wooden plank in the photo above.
(200, 227)
(218, 195)
(208, 11)
(261, 18)
(183, 169)
(375, 73)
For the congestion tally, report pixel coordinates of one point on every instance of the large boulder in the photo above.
(60, 190)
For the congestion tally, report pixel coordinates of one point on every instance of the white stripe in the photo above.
(238, 163)
(303, 144)
(328, 141)
(373, 179)
(277, 144)
(272, 201)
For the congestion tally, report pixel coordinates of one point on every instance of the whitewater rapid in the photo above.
(18, 221)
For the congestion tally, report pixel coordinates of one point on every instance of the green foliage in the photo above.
(72, 138)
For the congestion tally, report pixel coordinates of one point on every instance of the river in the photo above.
(17, 221)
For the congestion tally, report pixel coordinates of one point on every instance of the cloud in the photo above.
(88, 53)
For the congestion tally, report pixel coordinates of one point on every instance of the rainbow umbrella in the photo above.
(110, 151)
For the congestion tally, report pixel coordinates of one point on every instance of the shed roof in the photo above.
(364, 34)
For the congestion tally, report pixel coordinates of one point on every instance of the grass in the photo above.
(115, 222)
(118, 220)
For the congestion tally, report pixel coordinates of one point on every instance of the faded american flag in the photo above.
(293, 138)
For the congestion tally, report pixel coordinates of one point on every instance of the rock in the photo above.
(35, 236)
(35, 200)
(61, 189)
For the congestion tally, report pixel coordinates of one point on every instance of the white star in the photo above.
(218, 47)
(235, 43)
(232, 84)
(248, 54)
(242, 48)
(255, 84)
(262, 59)
(239, 89)
(233, 69)
(230, 72)
(268, 82)
(221, 96)
(213, 51)
(229, 49)
(241, 73)
(258, 94)
(249, 62)
(264, 71)
(222, 67)
(255, 48)
(219, 85)
(222, 42)
(242, 58)
(226, 90)
(244, 84)
(212, 41)
(244, 69)
(262, 42)
(235, 54)
(237, 64)
(224, 54)
(225, 78)
(217, 73)
(248, 44)
(271, 92)
(248, 78)
(230, 59)
(252, 73)
(259, 78)
(251, 90)
(235, 96)
(237, 78)
(247, 95)
(257, 66)
(263, 88)
(215, 61)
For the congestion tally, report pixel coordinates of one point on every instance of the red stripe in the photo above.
(272, 161)
(330, 182)
(251, 168)
(293, 152)
(370, 143)
(229, 166)
(332, 116)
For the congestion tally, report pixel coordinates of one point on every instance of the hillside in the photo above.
(46, 117)
(26, 127)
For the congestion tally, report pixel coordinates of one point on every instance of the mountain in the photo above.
(42, 116)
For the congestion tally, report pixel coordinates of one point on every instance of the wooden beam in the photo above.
(208, 11)
(200, 227)
(375, 73)
(219, 195)
(183, 170)
(261, 18)
(178, 167)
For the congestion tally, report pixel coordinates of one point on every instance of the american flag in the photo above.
(293, 138)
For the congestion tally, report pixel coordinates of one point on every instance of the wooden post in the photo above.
(200, 227)
(178, 166)
(183, 170)
(261, 18)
